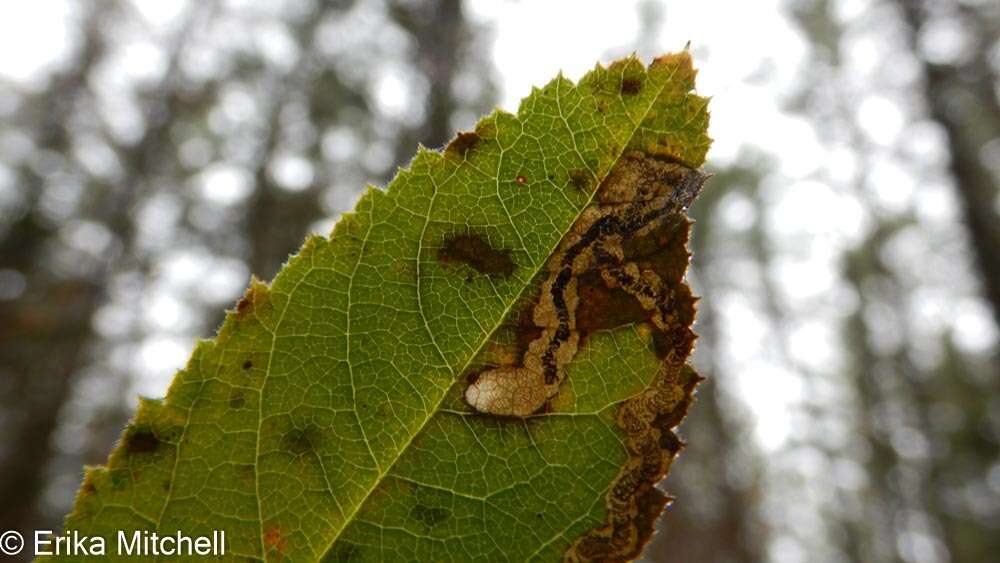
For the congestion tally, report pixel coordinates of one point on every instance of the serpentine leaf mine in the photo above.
(640, 196)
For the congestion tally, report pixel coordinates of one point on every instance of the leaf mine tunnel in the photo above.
(640, 196)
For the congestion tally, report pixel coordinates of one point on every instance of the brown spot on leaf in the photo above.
(247, 364)
(462, 144)
(243, 306)
(631, 86)
(141, 441)
(521, 180)
(474, 251)
(254, 300)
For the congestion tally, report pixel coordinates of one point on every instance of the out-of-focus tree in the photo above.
(921, 396)
(956, 45)
(139, 198)
(50, 287)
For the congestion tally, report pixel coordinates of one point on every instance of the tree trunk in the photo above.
(963, 101)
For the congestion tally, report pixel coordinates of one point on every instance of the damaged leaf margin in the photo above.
(326, 420)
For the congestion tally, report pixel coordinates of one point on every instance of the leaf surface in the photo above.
(326, 420)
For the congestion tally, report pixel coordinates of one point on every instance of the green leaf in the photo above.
(328, 418)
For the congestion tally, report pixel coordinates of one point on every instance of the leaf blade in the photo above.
(347, 369)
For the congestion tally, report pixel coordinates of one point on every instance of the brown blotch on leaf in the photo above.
(247, 364)
(631, 86)
(141, 441)
(474, 251)
(462, 144)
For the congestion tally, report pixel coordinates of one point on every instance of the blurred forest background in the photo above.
(851, 286)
